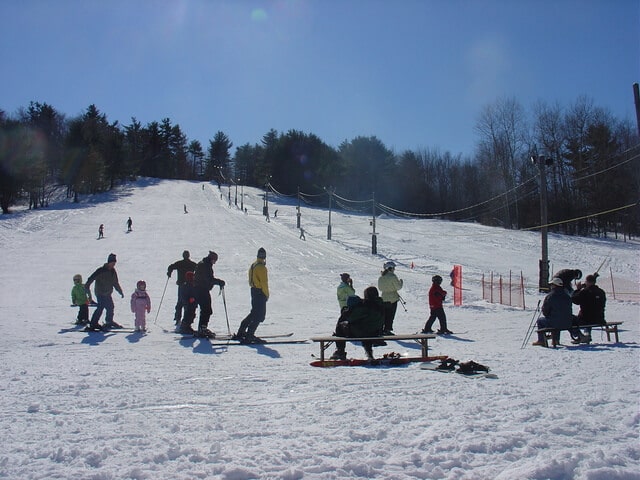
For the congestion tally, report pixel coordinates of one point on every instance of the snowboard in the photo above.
(388, 361)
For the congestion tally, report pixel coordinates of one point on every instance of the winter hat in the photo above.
(389, 265)
(370, 293)
(353, 300)
(590, 278)
(77, 278)
(345, 277)
(262, 253)
(111, 258)
(186, 254)
(557, 282)
(190, 276)
(213, 255)
(436, 279)
(141, 285)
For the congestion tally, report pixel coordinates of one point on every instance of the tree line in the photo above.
(590, 160)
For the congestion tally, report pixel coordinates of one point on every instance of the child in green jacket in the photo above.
(80, 298)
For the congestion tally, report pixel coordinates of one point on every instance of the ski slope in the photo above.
(159, 406)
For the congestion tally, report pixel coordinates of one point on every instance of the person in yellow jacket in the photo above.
(259, 283)
(389, 284)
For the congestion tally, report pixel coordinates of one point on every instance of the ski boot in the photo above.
(338, 355)
(204, 332)
(111, 326)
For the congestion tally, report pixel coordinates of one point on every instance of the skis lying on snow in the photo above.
(388, 360)
(223, 339)
(469, 369)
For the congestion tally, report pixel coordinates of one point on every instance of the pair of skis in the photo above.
(284, 338)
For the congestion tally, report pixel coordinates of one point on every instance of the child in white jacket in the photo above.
(140, 305)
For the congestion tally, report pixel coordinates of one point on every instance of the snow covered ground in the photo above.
(124, 406)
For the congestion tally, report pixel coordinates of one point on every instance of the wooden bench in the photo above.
(553, 334)
(421, 338)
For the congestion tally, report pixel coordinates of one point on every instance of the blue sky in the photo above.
(414, 73)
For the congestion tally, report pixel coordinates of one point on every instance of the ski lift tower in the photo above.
(541, 162)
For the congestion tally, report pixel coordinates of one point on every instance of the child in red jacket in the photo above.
(436, 297)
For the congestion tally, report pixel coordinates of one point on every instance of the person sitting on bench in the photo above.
(556, 311)
(592, 301)
(361, 318)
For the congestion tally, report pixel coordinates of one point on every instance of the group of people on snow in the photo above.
(195, 282)
(557, 307)
(373, 315)
(106, 281)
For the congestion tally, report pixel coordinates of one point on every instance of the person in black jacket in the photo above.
(592, 301)
(204, 282)
(182, 266)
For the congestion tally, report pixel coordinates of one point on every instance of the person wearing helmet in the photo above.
(389, 284)
(345, 290)
(80, 299)
(140, 306)
(259, 283)
(182, 266)
(436, 299)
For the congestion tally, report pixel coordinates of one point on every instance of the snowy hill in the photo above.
(125, 406)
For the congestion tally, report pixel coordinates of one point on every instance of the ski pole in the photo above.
(224, 302)
(155, 321)
(527, 336)
(402, 302)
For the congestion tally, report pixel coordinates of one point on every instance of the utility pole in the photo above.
(298, 210)
(374, 237)
(330, 192)
(636, 98)
(542, 163)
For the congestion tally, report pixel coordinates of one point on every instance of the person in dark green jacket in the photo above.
(106, 280)
(361, 318)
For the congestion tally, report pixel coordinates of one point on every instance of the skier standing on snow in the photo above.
(436, 298)
(129, 224)
(345, 290)
(182, 266)
(140, 305)
(361, 318)
(80, 298)
(101, 231)
(204, 282)
(259, 283)
(188, 299)
(389, 284)
(106, 279)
